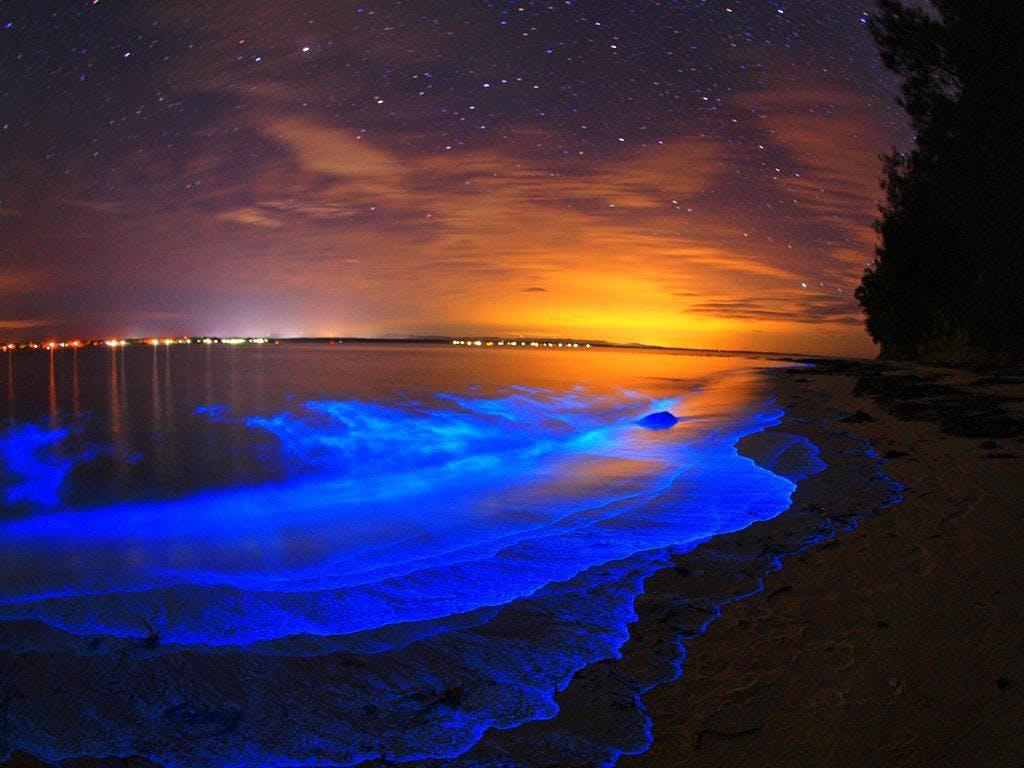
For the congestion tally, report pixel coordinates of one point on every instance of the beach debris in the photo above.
(775, 593)
(860, 417)
(659, 420)
(152, 640)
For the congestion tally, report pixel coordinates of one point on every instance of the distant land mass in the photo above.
(467, 340)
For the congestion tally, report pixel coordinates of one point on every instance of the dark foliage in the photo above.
(948, 280)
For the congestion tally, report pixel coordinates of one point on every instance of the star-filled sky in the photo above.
(699, 173)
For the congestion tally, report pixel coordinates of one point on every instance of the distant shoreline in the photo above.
(489, 341)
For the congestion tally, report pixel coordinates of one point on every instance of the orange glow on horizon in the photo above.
(358, 238)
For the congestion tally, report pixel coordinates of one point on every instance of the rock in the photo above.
(659, 420)
(857, 418)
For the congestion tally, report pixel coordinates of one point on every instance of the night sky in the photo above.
(688, 173)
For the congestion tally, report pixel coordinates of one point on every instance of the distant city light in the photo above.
(518, 343)
(154, 341)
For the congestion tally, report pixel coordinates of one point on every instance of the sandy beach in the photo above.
(900, 643)
(888, 629)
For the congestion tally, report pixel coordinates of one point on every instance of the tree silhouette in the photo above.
(948, 278)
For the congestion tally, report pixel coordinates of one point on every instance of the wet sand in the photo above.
(900, 643)
(892, 635)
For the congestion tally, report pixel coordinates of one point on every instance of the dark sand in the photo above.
(900, 643)
(894, 636)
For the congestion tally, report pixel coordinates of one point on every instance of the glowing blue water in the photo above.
(490, 544)
(33, 470)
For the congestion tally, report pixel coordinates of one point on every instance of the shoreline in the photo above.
(748, 693)
(899, 642)
(786, 675)
(606, 702)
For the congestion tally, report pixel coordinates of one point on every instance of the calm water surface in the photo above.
(288, 555)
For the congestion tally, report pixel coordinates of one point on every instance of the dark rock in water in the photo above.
(857, 418)
(659, 420)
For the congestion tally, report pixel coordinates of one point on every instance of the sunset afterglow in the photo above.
(701, 177)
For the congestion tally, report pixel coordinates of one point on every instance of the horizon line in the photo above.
(483, 341)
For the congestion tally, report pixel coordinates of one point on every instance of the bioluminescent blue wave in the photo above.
(32, 470)
(408, 573)
(415, 513)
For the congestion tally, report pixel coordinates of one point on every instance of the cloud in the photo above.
(251, 216)
(97, 206)
(632, 242)
(20, 280)
(340, 155)
(303, 202)
(793, 309)
(828, 139)
(21, 324)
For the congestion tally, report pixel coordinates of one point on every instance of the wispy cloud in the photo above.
(20, 324)
(358, 187)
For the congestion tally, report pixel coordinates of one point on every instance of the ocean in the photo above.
(312, 554)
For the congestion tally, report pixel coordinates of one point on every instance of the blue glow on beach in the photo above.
(508, 535)
(392, 505)
(32, 470)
